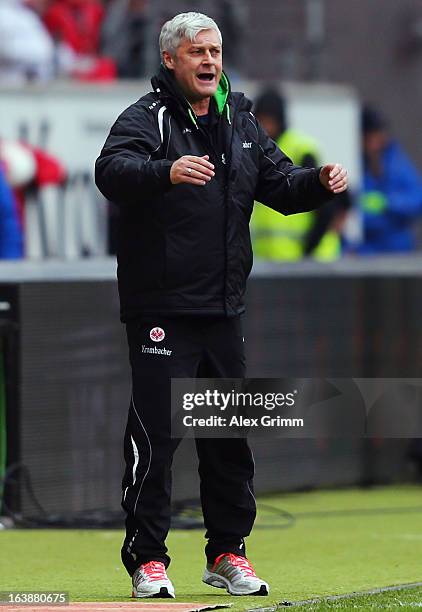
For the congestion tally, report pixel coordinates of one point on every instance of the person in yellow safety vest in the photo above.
(280, 238)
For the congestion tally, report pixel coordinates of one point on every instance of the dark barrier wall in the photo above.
(72, 388)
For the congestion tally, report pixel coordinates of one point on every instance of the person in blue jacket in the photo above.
(391, 199)
(11, 239)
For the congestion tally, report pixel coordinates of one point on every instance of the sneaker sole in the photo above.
(220, 582)
(163, 593)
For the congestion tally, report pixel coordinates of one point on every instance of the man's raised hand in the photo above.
(192, 169)
(334, 178)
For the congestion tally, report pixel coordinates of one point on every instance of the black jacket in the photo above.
(186, 249)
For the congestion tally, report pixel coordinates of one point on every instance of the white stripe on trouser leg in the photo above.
(135, 459)
(150, 456)
(250, 491)
(135, 465)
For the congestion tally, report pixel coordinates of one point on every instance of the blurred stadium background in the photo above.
(64, 384)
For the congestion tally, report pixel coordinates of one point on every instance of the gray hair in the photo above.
(185, 25)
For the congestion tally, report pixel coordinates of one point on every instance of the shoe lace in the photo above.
(240, 562)
(155, 570)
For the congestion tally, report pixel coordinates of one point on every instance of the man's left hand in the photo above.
(334, 178)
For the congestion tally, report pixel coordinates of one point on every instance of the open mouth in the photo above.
(206, 77)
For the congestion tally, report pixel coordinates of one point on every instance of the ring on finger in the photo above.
(189, 170)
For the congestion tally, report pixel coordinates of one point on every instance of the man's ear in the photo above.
(168, 61)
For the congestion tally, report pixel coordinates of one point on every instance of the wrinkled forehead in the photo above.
(208, 38)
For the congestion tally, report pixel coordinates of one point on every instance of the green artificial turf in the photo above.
(374, 540)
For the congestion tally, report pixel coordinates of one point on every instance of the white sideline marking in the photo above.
(321, 600)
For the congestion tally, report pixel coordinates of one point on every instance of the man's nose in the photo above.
(208, 59)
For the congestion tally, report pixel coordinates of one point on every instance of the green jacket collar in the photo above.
(222, 93)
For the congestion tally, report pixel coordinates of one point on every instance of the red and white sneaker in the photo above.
(151, 580)
(236, 575)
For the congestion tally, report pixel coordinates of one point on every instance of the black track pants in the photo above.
(200, 347)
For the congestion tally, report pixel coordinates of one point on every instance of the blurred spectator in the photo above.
(20, 168)
(26, 48)
(77, 24)
(11, 241)
(290, 238)
(391, 199)
(18, 163)
(29, 172)
(124, 36)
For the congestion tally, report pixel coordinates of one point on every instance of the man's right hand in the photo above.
(192, 169)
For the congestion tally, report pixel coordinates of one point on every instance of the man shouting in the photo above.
(185, 164)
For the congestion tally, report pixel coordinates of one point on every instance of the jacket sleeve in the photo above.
(124, 171)
(284, 187)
